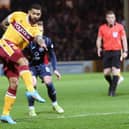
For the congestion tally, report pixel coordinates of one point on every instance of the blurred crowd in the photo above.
(72, 24)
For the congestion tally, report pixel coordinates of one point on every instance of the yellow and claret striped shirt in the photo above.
(20, 31)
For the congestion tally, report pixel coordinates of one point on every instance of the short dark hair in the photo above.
(36, 6)
(110, 12)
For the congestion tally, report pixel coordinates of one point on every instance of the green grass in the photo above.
(84, 99)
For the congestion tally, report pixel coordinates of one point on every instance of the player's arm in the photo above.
(99, 41)
(99, 45)
(53, 60)
(38, 37)
(125, 47)
(9, 19)
(40, 41)
(4, 24)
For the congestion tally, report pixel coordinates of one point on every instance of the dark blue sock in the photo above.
(51, 92)
(31, 100)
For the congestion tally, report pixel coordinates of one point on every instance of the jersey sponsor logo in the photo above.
(22, 31)
(47, 69)
(115, 34)
(41, 49)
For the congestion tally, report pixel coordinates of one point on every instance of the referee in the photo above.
(112, 46)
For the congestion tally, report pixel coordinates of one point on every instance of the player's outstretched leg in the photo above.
(31, 101)
(26, 75)
(27, 78)
(52, 96)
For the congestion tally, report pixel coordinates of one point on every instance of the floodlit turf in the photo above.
(84, 99)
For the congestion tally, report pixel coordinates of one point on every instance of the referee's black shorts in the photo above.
(111, 59)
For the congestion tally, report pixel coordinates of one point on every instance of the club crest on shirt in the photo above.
(115, 34)
(41, 49)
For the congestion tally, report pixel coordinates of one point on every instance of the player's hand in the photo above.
(99, 50)
(41, 42)
(43, 45)
(123, 56)
(58, 75)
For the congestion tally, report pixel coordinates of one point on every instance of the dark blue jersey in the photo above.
(36, 54)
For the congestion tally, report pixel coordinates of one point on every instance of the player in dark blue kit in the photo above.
(40, 69)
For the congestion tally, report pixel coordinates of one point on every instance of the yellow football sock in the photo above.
(8, 103)
(27, 77)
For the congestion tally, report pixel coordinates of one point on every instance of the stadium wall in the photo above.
(126, 65)
(74, 67)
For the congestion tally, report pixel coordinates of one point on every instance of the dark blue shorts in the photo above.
(40, 70)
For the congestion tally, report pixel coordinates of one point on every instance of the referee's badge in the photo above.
(115, 34)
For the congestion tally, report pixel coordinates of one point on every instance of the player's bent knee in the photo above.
(115, 71)
(23, 61)
(47, 79)
(107, 71)
(13, 82)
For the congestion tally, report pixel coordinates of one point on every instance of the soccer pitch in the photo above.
(84, 99)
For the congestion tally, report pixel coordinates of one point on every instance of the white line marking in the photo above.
(88, 114)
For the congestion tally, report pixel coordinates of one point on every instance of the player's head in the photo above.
(35, 13)
(110, 17)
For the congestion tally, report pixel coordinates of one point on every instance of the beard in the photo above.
(33, 20)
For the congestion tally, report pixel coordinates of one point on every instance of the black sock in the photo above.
(51, 92)
(108, 78)
(115, 81)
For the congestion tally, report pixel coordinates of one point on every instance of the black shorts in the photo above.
(111, 59)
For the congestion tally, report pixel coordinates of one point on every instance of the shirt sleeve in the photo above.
(122, 31)
(53, 59)
(13, 16)
(52, 54)
(100, 34)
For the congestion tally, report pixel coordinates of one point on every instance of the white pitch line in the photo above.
(88, 114)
